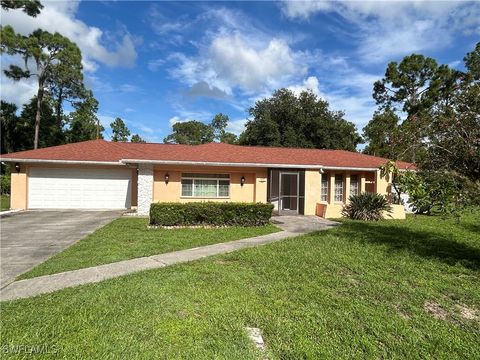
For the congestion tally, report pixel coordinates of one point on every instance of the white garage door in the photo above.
(70, 188)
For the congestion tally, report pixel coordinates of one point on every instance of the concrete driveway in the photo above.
(31, 237)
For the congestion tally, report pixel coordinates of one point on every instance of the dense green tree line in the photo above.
(284, 119)
(429, 114)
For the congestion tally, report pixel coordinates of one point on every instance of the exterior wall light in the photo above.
(17, 167)
(242, 181)
(167, 178)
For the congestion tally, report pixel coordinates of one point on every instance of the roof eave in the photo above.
(217, 163)
(244, 164)
(124, 162)
(350, 168)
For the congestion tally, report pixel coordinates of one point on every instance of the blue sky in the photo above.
(157, 63)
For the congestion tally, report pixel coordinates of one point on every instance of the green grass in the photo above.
(356, 291)
(4, 202)
(128, 238)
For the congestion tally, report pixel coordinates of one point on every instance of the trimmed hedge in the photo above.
(210, 213)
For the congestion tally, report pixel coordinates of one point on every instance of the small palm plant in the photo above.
(366, 206)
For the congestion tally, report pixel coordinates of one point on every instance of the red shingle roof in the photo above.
(105, 151)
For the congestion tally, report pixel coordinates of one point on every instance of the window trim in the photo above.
(193, 196)
(357, 182)
(324, 179)
(335, 189)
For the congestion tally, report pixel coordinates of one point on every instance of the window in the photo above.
(206, 185)
(353, 184)
(339, 188)
(324, 188)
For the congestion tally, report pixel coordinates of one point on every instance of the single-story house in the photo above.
(99, 174)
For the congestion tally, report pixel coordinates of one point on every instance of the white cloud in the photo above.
(176, 119)
(17, 92)
(61, 16)
(230, 61)
(304, 9)
(236, 126)
(252, 68)
(310, 84)
(389, 29)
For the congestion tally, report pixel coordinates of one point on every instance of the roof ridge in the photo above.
(287, 147)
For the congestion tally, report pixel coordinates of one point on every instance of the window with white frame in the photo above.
(354, 186)
(339, 188)
(206, 185)
(324, 188)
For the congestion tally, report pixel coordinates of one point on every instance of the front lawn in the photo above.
(392, 289)
(4, 202)
(128, 238)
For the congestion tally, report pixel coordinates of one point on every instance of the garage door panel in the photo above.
(72, 188)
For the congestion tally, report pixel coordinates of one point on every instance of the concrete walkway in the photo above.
(291, 225)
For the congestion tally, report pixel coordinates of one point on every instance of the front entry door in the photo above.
(288, 193)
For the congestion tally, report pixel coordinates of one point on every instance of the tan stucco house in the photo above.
(100, 174)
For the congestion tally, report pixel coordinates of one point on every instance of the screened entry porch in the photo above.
(286, 191)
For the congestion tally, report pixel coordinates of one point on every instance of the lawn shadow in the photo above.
(423, 243)
(473, 228)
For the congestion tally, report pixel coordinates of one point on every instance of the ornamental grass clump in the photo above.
(367, 206)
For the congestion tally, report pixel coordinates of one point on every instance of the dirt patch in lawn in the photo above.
(466, 312)
(454, 314)
(435, 310)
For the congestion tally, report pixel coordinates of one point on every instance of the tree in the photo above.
(442, 192)
(119, 130)
(48, 51)
(298, 121)
(382, 136)
(30, 7)
(66, 83)
(406, 88)
(49, 134)
(190, 132)
(136, 139)
(448, 174)
(405, 84)
(228, 138)
(9, 131)
(83, 121)
(219, 124)
(472, 63)
(453, 140)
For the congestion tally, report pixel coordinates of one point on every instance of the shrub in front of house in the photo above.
(5, 184)
(367, 206)
(210, 213)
